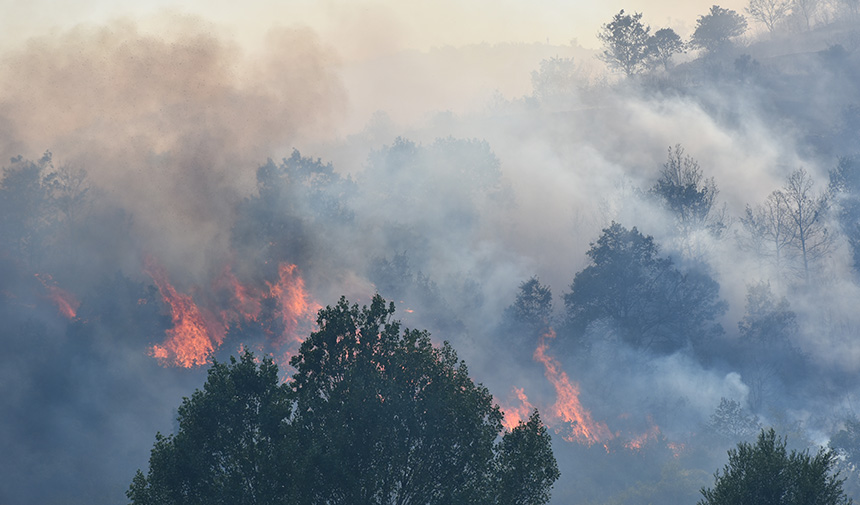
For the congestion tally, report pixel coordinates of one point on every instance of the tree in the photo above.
(625, 43)
(690, 198)
(533, 305)
(715, 30)
(766, 474)
(806, 9)
(664, 44)
(232, 444)
(652, 304)
(731, 422)
(791, 225)
(845, 188)
(372, 415)
(766, 333)
(846, 443)
(769, 12)
(556, 81)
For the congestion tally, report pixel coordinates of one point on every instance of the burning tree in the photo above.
(373, 414)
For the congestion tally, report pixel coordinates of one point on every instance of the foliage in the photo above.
(625, 43)
(766, 474)
(731, 422)
(533, 305)
(691, 199)
(230, 447)
(664, 44)
(652, 304)
(768, 354)
(715, 29)
(769, 12)
(373, 414)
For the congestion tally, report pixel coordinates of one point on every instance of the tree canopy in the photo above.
(625, 42)
(766, 474)
(652, 304)
(373, 415)
(715, 29)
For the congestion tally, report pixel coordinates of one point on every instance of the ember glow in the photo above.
(578, 426)
(66, 302)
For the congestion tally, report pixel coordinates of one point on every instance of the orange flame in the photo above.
(514, 415)
(580, 426)
(66, 302)
(639, 441)
(197, 332)
(193, 336)
(296, 309)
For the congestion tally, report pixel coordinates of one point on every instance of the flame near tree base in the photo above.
(198, 331)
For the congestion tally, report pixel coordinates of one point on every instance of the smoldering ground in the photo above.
(447, 221)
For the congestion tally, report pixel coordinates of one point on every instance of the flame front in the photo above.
(514, 415)
(193, 336)
(580, 427)
(199, 330)
(66, 302)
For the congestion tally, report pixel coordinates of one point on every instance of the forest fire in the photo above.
(66, 302)
(198, 331)
(192, 337)
(580, 427)
(514, 415)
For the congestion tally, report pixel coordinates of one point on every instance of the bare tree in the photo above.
(806, 9)
(769, 229)
(769, 12)
(790, 225)
(807, 212)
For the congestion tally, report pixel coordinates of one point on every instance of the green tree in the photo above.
(715, 29)
(845, 188)
(533, 306)
(373, 415)
(625, 43)
(766, 474)
(232, 443)
(652, 304)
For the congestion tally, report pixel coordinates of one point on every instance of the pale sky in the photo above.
(359, 28)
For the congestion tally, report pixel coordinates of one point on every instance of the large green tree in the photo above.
(374, 414)
(764, 473)
(716, 29)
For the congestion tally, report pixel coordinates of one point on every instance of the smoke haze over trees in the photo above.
(662, 261)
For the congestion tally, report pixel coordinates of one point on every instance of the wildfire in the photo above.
(580, 427)
(639, 441)
(517, 414)
(192, 337)
(66, 302)
(197, 331)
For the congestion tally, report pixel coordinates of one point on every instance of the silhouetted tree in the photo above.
(769, 12)
(533, 305)
(691, 199)
(652, 304)
(791, 225)
(807, 9)
(715, 30)
(373, 414)
(625, 43)
(766, 474)
(664, 44)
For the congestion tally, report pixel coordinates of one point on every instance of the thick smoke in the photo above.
(160, 143)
